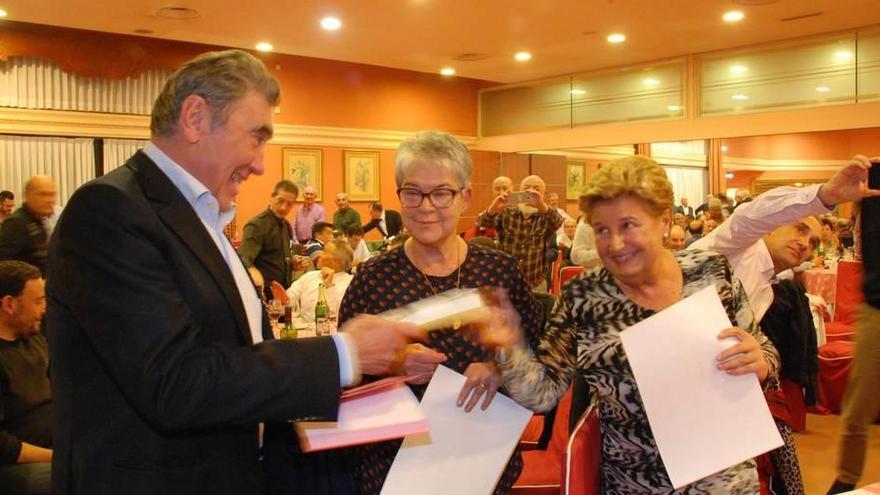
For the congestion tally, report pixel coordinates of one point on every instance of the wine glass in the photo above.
(275, 308)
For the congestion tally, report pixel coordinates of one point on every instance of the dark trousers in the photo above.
(26, 479)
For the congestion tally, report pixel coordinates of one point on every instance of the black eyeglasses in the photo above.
(411, 197)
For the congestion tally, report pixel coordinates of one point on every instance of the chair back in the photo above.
(567, 273)
(581, 469)
(849, 291)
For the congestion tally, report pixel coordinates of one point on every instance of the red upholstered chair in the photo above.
(835, 360)
(848, 296)
(555, 267)
(542, 469)
(581, 469)
(567, 273)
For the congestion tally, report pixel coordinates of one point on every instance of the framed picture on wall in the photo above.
(303, 168)
(575, 177)
(361, 169)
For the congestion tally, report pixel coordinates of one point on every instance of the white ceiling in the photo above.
(564, 36)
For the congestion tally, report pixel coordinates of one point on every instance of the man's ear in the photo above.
(8, 305)
(195, 118)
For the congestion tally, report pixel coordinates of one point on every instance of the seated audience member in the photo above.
(355, 236)
(695, 232)
(321, 233)
(387, 222)
(25, 393)
(638, 278)
(742, 196)
(334, 265)
(828, 245)
(845, 233)
(553, 203)
(583, 246)
(7, 204)
(675, 241)
(566, 238)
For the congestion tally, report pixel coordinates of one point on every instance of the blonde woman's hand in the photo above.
(743, 357)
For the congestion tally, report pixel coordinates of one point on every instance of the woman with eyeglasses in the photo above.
(433, 177)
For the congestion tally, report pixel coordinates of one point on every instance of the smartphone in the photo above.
(874, 175)
(519, 197)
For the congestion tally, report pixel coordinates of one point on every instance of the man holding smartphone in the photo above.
(525, 226)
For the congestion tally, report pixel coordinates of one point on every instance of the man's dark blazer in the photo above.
(687, 211)
(24, 238)
(393, 222)
(156, 383)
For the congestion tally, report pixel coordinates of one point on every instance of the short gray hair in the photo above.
(343, 252)
(221, 78)
(438, 148)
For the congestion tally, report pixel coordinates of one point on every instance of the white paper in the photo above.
(465, 453)
(703, 419)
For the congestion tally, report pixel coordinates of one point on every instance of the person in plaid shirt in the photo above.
(524, 229)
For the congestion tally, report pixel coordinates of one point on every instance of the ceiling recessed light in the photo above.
(3, 13)
(740, 97)
(823, 89)
(843, 55)
(331, 23)
(264, 47)
(728, 175)
(724, 148)
(447, 71)
(650, 81)
(674, 108)
(577, 92)
(523, 56)
(738, 69)
(733, 16)
(616, 38)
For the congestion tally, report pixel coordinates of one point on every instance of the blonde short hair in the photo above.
(635, 176)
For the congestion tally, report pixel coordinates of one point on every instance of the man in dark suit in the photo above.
(162, 365)
(683, 208)
(388, 222)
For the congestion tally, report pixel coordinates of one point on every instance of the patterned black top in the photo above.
(390, 281)
(584, 336)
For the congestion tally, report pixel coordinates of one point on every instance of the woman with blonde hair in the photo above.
(628, 204)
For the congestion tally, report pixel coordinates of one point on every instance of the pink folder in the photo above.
(375, 412)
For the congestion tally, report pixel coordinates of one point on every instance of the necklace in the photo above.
(458, 271)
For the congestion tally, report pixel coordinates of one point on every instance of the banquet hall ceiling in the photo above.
(563, 36)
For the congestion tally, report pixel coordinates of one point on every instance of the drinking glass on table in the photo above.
(275, 308)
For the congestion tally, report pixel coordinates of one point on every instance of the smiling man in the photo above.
(776, 231)
(162, 366)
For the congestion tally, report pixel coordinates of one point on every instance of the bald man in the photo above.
(525, 228)
(25, 233)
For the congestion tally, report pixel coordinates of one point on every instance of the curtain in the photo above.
(689, 182)
(30, 82)
(69, 162)
(117, 151)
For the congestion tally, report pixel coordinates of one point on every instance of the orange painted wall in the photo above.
(826, 145)
(315, 92)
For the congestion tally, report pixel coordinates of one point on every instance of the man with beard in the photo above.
(525, 228)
